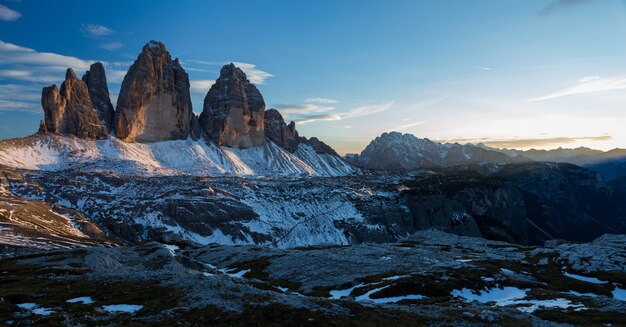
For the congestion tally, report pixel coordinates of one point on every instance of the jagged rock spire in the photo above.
(154, 103)
(233, 112)
(70, 110)
(96, 81)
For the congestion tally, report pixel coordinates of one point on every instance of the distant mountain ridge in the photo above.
(399, 152)
(610, 164)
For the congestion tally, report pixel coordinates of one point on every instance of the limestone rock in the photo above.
(233, 113)
(319, 146)
(70, 110)
(154, 102)
(276, 130)
(96, 81)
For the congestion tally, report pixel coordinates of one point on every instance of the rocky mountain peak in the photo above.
(70, 74)
(96, 81)
(70, 110)
(154, 103)
(397, 151)
(233, 112)
(279, 132)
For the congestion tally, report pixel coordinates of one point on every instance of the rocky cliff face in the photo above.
(279, 132)
(99, 93)
(70, 110)
(233, 113)
(154, 102)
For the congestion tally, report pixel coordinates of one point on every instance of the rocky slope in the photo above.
(233, 112)
(519, 203)
(175, 157)
(431, 278)
(401, 152)
(70, 110)
(154, 102)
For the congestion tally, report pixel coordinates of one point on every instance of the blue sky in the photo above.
(510, 73)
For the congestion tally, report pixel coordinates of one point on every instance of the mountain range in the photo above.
(144, 211)
(402, 152)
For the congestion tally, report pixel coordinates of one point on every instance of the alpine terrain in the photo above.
(146, 213)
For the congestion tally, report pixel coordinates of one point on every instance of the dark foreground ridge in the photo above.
(431, 278)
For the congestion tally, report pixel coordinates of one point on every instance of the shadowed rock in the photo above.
(234, 110)
(154, 102)
(96, 81)
(285, 136)
(70, 110)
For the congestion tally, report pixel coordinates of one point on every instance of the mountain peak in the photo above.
(233, 111)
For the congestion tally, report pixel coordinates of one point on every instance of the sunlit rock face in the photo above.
(70, 110)
(154, 102)
(233, 113)
(96, 81)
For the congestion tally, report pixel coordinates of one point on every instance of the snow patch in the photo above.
(82, 299)
(122, 308)
(592, 280)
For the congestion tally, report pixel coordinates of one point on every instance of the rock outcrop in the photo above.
(96, 81)
(319, 146)
(154, 103)
(70, 110)
(233, 113)
(279, 132)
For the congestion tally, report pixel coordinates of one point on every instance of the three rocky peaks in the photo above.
(154, 105)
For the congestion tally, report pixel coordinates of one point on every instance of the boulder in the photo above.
(70, 110)
(154, 103)
(233, 113)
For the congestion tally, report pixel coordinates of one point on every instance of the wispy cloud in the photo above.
(483, 68)
(524, 143)
(111, 46)
(558, 5)
(353, 113)
(405, 126)
(320, 100)
(290, 110)
(314, 118)
(589, 84)
(255, 75)
(95, 30)
(23, 71)
(201, 86)
(8, 15)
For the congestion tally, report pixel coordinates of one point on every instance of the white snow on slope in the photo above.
(177, 157)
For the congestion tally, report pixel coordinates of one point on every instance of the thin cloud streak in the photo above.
(95, 30)
(321, 100)
(354, 113)
(524, 143)
(403, 127)
(587, 85)
(111, 46)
